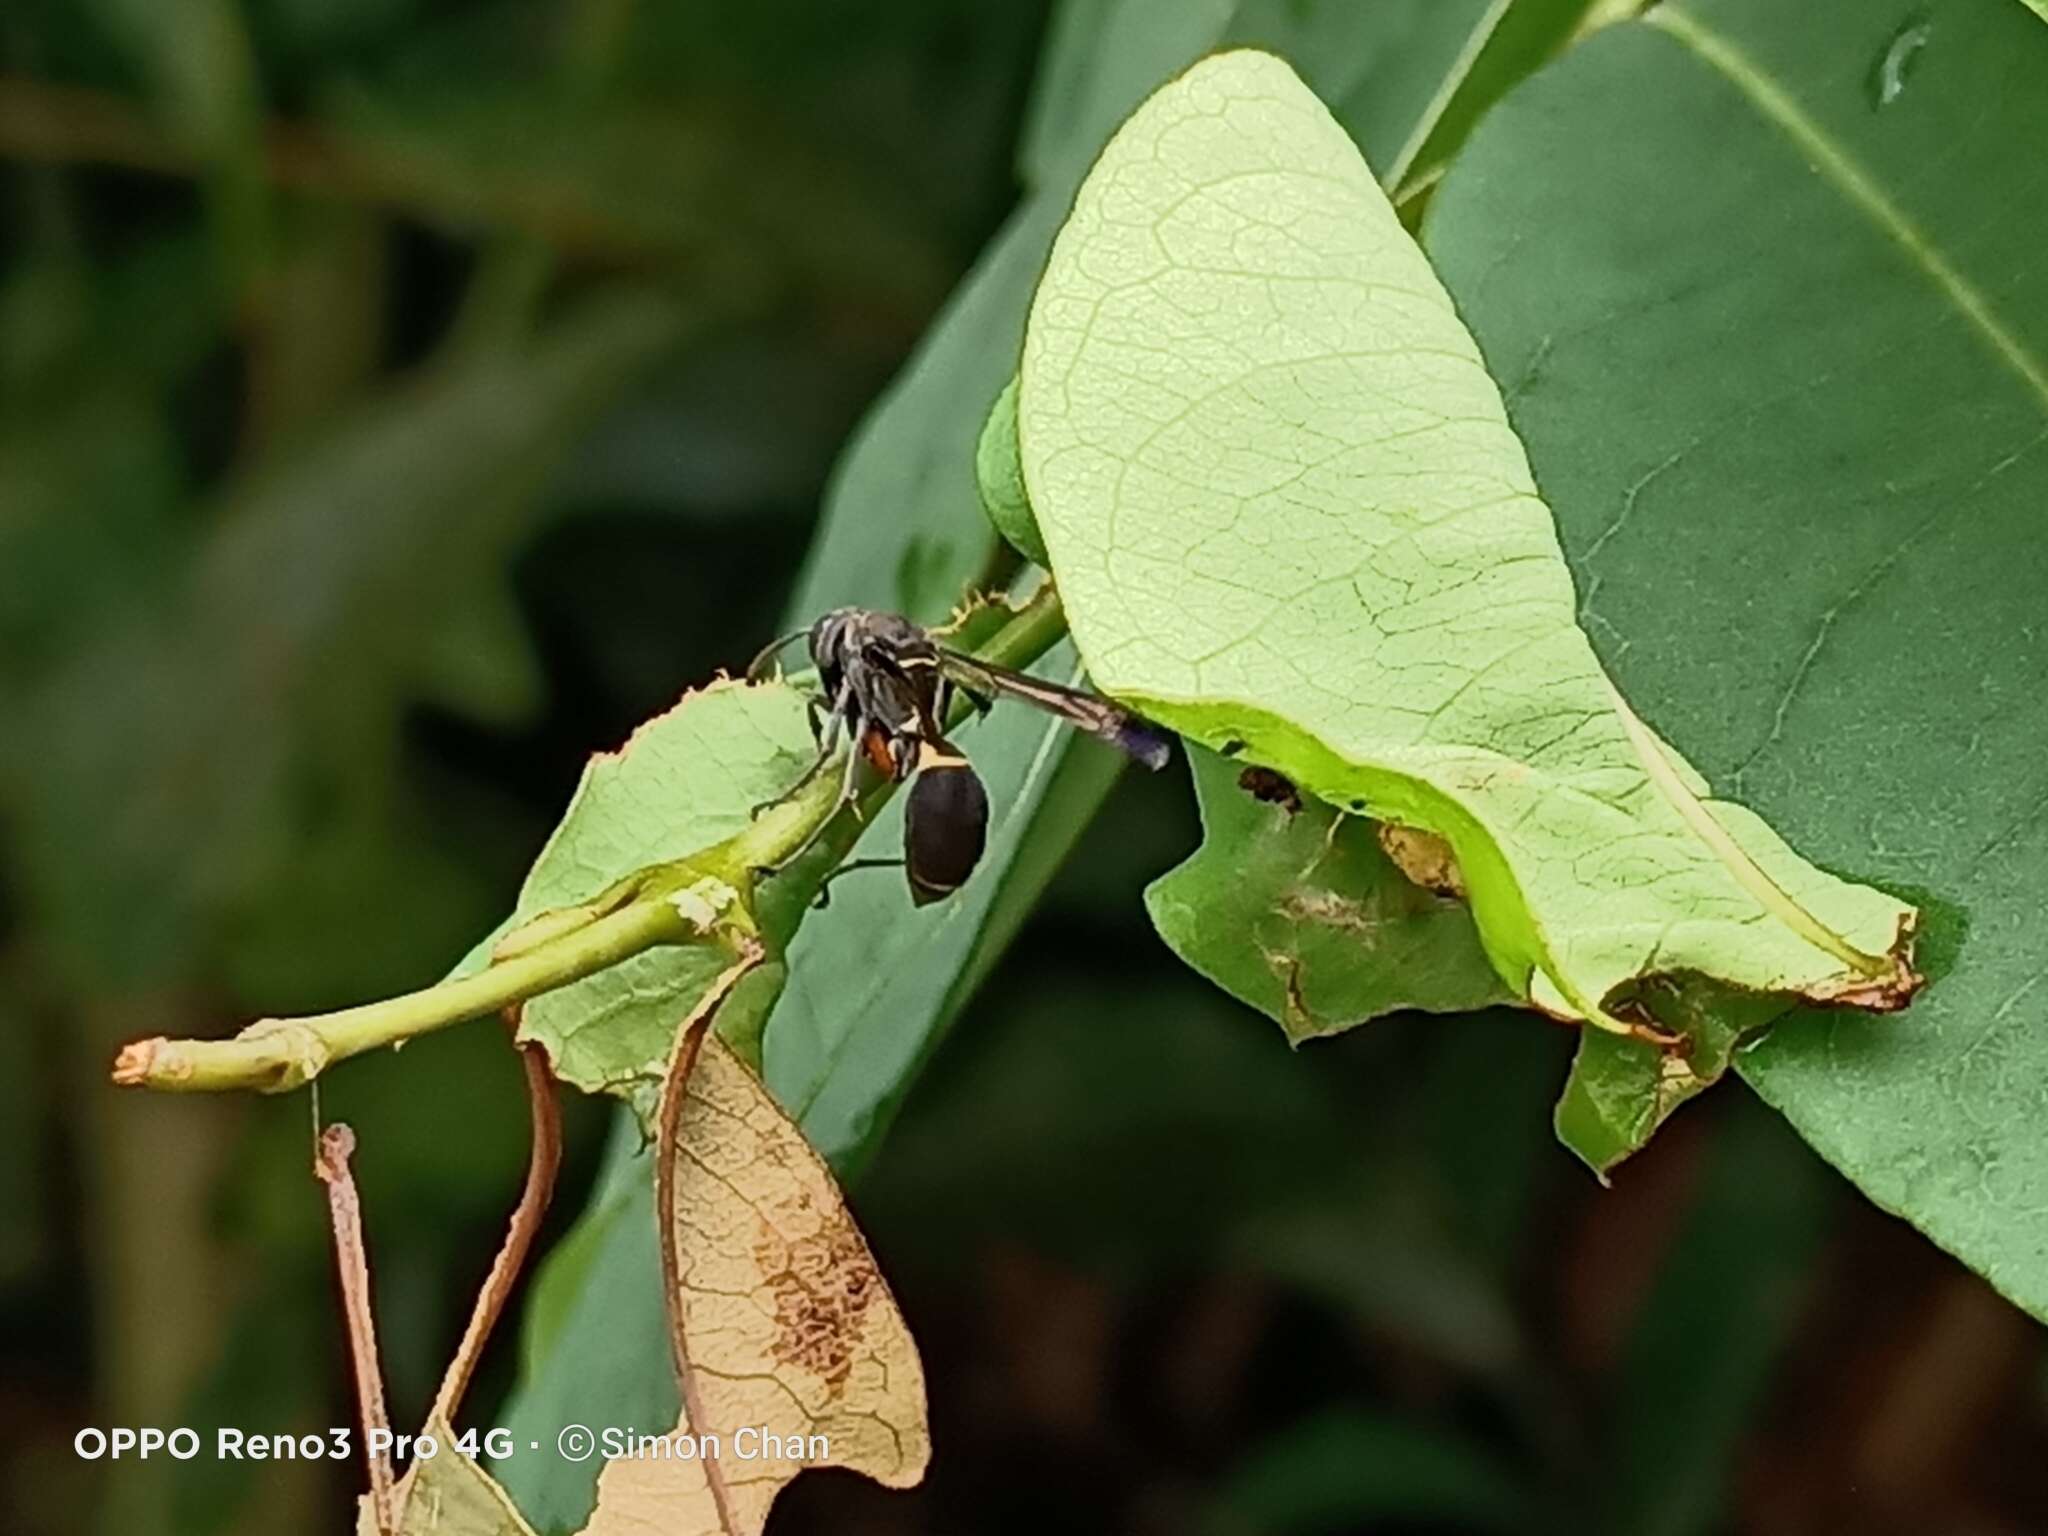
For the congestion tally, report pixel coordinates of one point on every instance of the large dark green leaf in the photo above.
(1784, 376)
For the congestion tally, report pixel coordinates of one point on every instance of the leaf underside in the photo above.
(1287, 511)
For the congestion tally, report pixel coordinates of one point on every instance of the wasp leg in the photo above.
(827, 739)
(845, 798)
(824, 897)
(950, 690)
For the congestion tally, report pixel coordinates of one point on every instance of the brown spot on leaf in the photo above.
(1423, 857)
(822, 1287)
(1884, 993)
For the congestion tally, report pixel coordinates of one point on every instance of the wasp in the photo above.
(889, 687)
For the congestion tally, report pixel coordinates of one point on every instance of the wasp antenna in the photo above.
(758, 667)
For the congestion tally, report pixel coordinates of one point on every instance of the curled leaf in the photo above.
(1286, 509)
(1000, 474)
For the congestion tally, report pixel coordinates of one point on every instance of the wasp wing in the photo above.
(1084, 711)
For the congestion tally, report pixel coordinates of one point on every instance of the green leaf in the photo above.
(448, 1494)
(1000, 475)
(687, 779)
(1286, 510)
(1507, 42)
(1619, 1093)
(1294, 908)
(1729, 184)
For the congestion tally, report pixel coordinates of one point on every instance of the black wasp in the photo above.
(889, 685)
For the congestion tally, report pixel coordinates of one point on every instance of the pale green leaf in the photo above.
(687, 779)
(1286, 509)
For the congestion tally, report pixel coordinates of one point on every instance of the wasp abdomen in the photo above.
(945, 824)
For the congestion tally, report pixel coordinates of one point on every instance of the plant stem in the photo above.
(277, 1055)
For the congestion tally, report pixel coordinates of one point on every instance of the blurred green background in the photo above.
(399, 401)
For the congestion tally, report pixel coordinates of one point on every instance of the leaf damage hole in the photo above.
(1273, 788)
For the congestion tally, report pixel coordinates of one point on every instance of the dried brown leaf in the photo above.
(792, 1351)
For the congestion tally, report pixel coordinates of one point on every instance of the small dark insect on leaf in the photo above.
(889, 686)
(1231, 747)
(1273, 788)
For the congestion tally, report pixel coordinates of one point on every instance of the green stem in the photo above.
(276, 1055)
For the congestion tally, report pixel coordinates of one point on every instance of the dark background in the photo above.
(284, 293)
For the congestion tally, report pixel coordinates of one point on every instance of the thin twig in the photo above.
(543, 1163)
(345, 1207)
(674, 1090)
